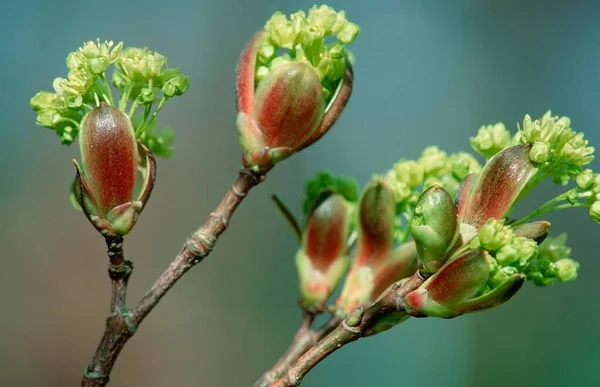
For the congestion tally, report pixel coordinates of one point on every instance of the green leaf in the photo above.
(160, 142)
(325, 181)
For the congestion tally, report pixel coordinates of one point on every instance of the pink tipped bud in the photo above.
(376, 265)
(461, 286)
(498, 186)
(326, 234)
(109, 156)
(288, 105)
(335, 107)
(284, 112)
(323, 259)
(377, 212)
(287, 108)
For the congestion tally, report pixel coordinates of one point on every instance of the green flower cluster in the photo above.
(588, 184)
(512, 254)
(409, 178)
(306, 38)
(553, 262)
(491, 139)
(554, 141)
(63, 110)
(325, 181)
(558, 152)
(139, 74)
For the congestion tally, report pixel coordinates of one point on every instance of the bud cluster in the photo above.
(410, 178)
(144, 71)
(323, 259)
(516, 254)
(588, 189)
(138, 74)
(557, 150)
(553, 262)
(491, 139)
(552, 138)
(378, 260)
(287, 102)
(294, 79)
(304, 39)
(144, 77)
(63, 110)
(335, 222)
(435, 167)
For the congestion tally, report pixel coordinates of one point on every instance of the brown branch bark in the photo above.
(350, 330)
(121, 323)
(303, 340)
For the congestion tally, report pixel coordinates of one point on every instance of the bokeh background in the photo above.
(427, 72)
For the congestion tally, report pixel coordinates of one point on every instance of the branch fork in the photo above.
(122, 323)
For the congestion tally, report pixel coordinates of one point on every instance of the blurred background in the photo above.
(427, 72)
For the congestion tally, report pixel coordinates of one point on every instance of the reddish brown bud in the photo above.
(284, 112)
(460, 287)
(323, 259)
(497, 187)
(110, 155)
(376, 265)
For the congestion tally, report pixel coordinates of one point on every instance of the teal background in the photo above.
(427, 72)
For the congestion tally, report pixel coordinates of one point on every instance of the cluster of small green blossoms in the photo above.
(410, 178)
(513, 254)
(554, 144)
(139, 75)
(73, 96)
(491, 139)
(559, 153)
(553, 141)
(553, 262)
(307, 38)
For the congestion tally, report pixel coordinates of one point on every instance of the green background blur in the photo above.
(426, 73)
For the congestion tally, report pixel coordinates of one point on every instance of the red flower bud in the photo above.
(497, 187)
(459, 287)
(288, 105)
(335, 107)
(286, 111)
(110, 157)
(376, 265)
(323, 259)
(377, 212)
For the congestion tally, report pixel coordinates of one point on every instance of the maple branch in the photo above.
(121, 323)
(351, 329)
(304, 339)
